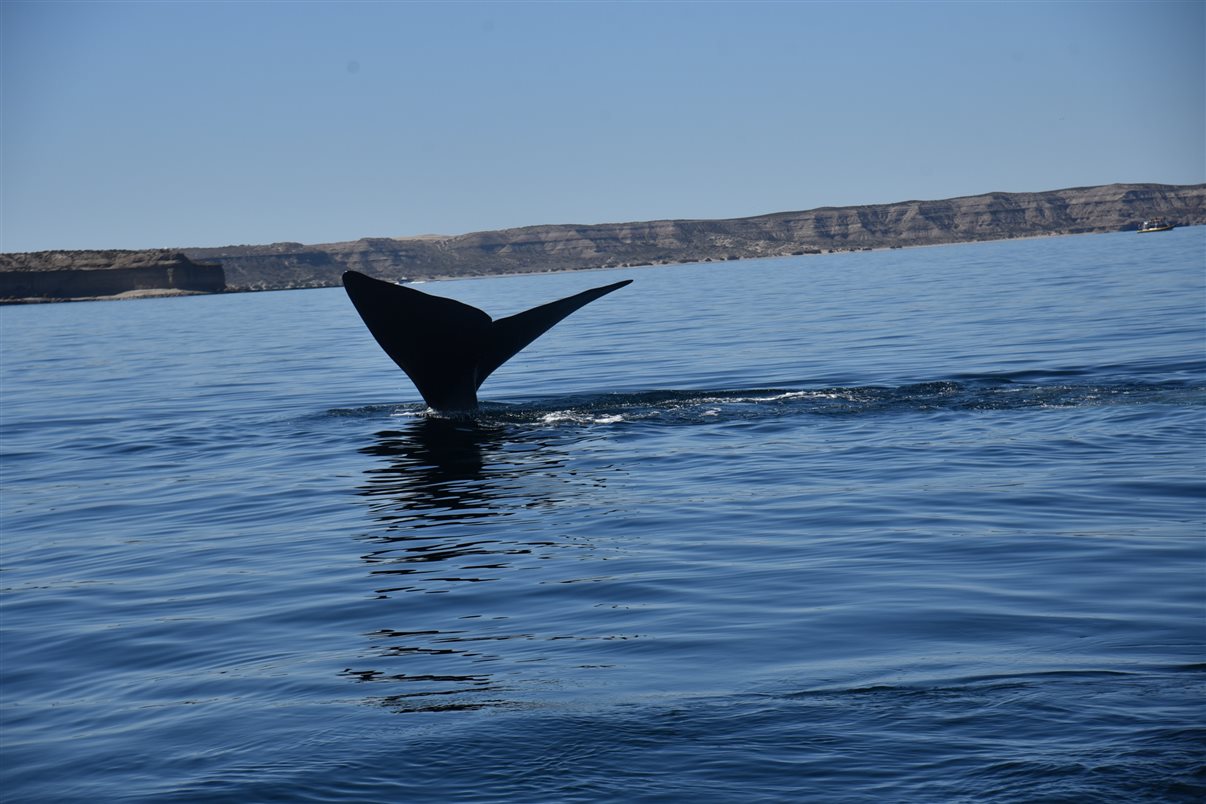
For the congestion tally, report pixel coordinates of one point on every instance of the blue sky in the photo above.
(154, 124)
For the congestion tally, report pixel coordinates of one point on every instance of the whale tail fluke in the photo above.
(447, 348)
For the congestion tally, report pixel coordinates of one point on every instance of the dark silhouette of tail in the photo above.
(447, 348)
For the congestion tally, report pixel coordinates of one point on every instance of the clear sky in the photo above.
(152, 124)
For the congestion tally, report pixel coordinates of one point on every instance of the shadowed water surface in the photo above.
(912, 526)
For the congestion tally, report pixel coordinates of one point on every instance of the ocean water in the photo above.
(912, 526)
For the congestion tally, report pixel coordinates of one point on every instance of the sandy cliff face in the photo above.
(92, 274)
(992, 216)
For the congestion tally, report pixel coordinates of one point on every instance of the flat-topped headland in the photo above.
(562, 247)
(67, 275)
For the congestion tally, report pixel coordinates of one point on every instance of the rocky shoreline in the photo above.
(562, 247)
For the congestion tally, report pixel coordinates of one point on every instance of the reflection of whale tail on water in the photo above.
(447, 348)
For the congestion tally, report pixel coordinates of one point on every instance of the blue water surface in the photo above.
(914, 525)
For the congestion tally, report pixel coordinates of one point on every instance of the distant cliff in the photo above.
(44, 275)
(993, 216)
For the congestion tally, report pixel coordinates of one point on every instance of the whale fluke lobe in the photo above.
(447, 348)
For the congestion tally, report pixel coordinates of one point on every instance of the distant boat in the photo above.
(1155, 225)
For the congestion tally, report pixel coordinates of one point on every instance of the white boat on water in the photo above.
(1155, 225)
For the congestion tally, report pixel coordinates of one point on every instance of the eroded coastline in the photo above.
(569, 247)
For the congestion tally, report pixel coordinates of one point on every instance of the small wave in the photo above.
(937, 396)
(982, 393)
(968, 683)
(574, 417)
(378, 410)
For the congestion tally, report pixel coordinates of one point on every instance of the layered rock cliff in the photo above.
(93, 274)
(992, 216)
